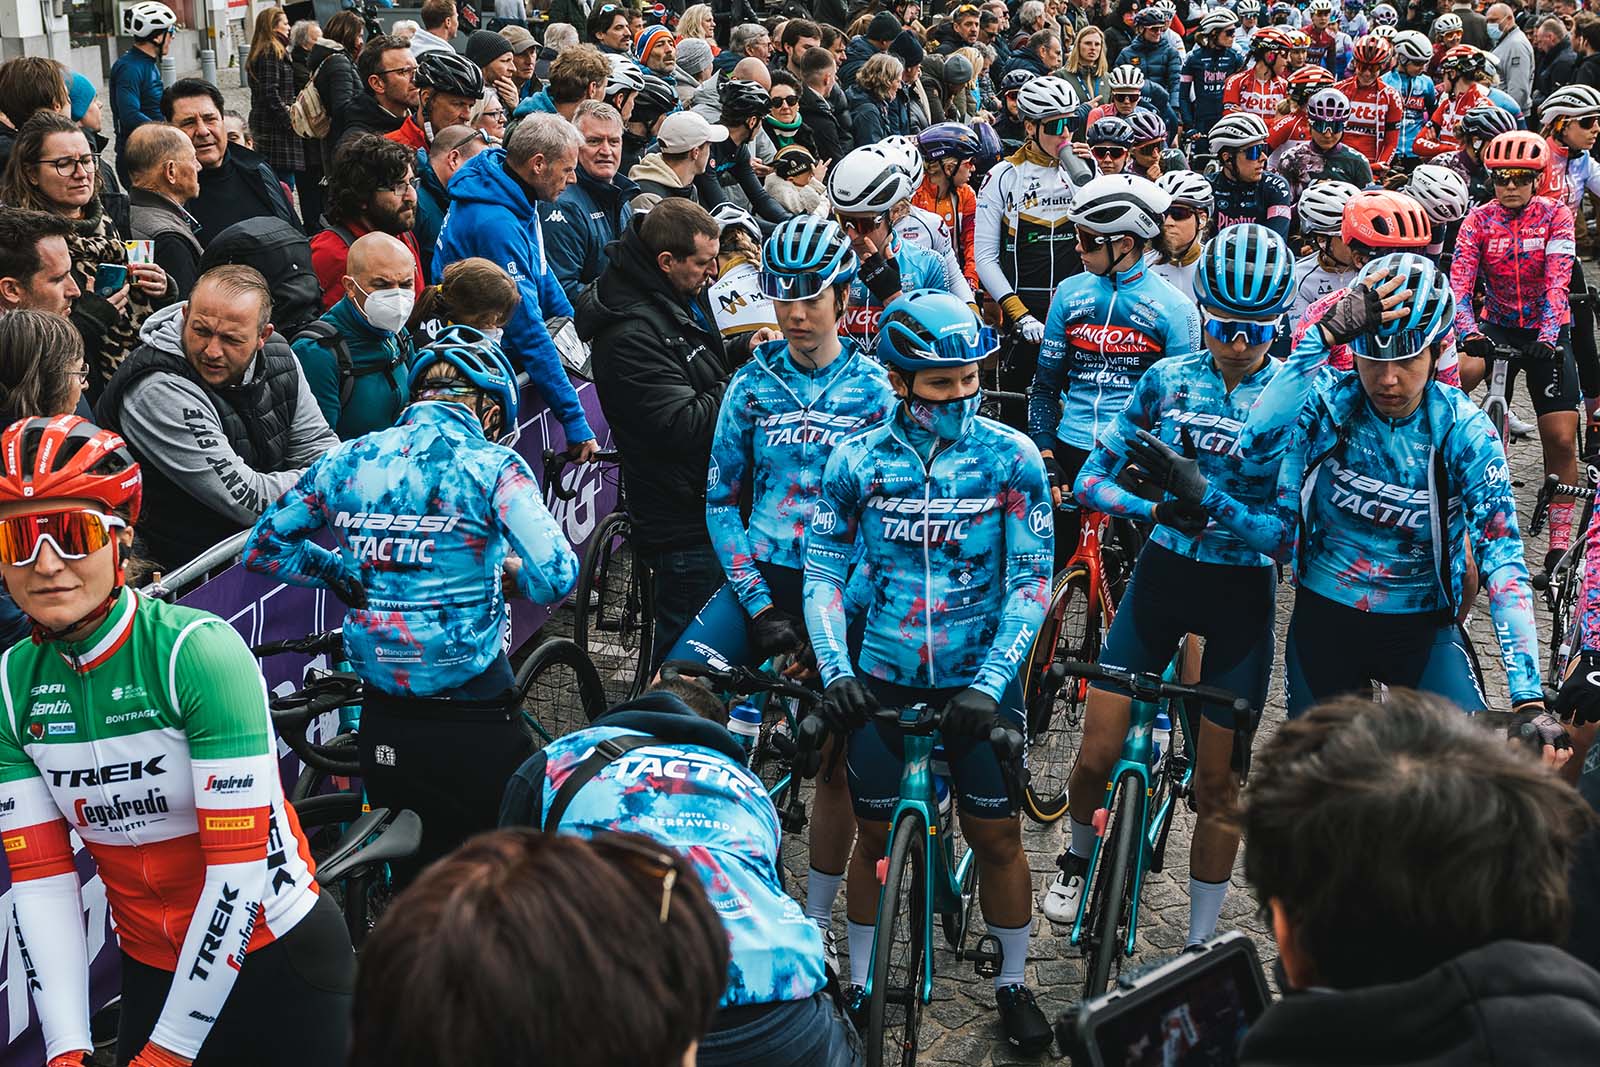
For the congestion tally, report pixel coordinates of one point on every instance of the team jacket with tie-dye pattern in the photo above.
(424, 513)
(958, 550)
(150, 740)
(778, 424)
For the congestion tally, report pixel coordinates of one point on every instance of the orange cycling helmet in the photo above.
(1519, 150)
(1385, 220)
(67, 457)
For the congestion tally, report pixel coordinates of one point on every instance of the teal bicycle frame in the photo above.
(1134, 770)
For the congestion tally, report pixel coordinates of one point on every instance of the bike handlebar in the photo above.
(741, 680)
(330, 642)
(1552, 488)
(293, 712)
(554, 461)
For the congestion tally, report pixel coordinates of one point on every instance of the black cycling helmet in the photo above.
(449, 72)
(1015, 80)
(1487, 121)
(656, 99)
(742, 100)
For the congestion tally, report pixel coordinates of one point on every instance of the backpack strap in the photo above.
(604, 753)
(328, 336)
(341, 233)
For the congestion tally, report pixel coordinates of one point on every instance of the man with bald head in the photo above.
(1514, 52)
(355, 358)
(708, 98)
(165, 175)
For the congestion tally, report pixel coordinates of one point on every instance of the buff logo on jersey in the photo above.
(911, 520)
(824, 519)
(394, 549)
(1040, 521)
(807, 428)
(1379, 502)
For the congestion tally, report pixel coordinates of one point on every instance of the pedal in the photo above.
(985, 957)
(793, 817)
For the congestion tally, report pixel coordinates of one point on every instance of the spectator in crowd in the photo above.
(1556, 61)
(508, 950)
(84, 109)
(1586, 45)
(592, 211)
(828, 126)
(683, 152)
(798, 37)
(960, 31)
(992, 35)
(235, 183)
(1474, 28)
(881, 32)
(166, 175)
(558, 37)
(1406, 933)
(492, 53)
(1086, 68)
(237, 130)
(28, 84)
(1513, 52)
(272, 94)
(656, 51)
(449, 86)
(782, 126)
(435, 166)
(52, 169)
(489, 117)
(250, 424)
(698, 21)
(580, 73)
(607, 29)
(304, 36)
(695, 71)
(440, 24)
(333, 72)
(473, 292)
(746, 40)
(877, 107)
(509, 13)
(36, 262)
(135, 83)
(493, 214)
(370, 190)
(524, 59)
(910, 52)
(388, 73)
(1042, 54)
(744, 106)
(661, 368)
(355, 358)
(708, 98)
(405, 29)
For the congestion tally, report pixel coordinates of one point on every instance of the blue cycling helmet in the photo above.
(806, 256)
(1430, 311)
(1246, 271)
(480, 361)
(927, 329)
(1111, 130)
(989, 146)
(949, 140)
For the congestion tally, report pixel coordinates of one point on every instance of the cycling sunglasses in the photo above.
(72, 534)
(1327, 127)
(1055, 127)
(1514, 177)
(1228, 330)
(1108, 151)
(797, 286)
(1402, 345)
(1181, 213)
(1254, 152)
(1585, 123)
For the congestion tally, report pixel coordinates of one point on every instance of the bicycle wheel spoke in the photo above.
(1055, 708)
(613, 614)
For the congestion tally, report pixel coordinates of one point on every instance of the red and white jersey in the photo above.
(1252, 95)
(1376, 114)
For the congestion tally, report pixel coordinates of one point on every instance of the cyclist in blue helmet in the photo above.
(783, 414)
(1191, 577)
(425, 552)
(948, 514)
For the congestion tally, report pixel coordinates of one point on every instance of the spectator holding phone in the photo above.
(1414, 868)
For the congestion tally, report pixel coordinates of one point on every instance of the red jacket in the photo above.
(409, 134)
(1245, 92)
(329, 254)
(1375, 116)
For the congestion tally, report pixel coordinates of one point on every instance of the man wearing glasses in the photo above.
(389, 73)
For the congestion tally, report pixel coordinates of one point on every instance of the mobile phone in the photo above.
(109, 277)
(1193, 1009)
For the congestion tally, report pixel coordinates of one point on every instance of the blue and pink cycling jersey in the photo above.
(1525, 259)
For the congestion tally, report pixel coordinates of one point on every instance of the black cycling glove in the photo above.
(1478, 346)
(1165, 468)
(775, 631)
(1580, 693)
(1057, 474)
(1542, 352)
(1357, 312)
(970, 713)
(881, 275)
(1188, 519)
(349, 590)
(847, 704)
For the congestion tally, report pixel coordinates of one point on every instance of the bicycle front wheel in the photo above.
(558, 689)
(1055, 707)
(613, 618)
(1110, 907)
(895, 1008)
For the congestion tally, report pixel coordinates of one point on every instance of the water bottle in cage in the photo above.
(940, 768)
(1160, 736)
(744, 722)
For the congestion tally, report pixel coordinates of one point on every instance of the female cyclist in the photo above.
(1571, 118)
(142, 728)
(1178, 246)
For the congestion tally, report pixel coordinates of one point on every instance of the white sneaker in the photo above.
(1065, 893)
(1518, 428)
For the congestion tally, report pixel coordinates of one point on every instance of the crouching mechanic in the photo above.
(148, 722)
(427, 549)
(656, 766)
(949, 514)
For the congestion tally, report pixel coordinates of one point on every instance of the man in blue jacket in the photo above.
(435, 166)
(1152, 51)
(136, 77)
(492, 214)
(883, 29)
(594, 210)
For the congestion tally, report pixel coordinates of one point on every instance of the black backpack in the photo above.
(327, 335)
(282, 254)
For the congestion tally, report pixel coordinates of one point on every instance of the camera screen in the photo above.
(1198, 1021)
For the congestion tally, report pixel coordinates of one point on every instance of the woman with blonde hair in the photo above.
(877, 110)
(272, 93)
(698, 21)
(1086, 66)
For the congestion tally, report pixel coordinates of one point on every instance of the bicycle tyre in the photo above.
(561, 682)
(613, 616)
(895, 1009)
(1054, 715)
(1112, 884)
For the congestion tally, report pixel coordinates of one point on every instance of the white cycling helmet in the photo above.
(904, 151)
(1412, 46)
(1167, 8)
(147, 19)
(1046, 98)
(1249, 9)
(1189, 188)
(1449, 22)
(1321, 206)
(1385, 15)
(1328, 105)
(625, 76)
(1238, 130)
(1386, 32)
(1217, 20)
(1125, 79)
(1320, 7)
(1118, 205)
(868, 181)
(1570, 102)
(1441, 191)
(728, 214)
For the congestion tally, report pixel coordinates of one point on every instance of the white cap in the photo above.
(684, 131)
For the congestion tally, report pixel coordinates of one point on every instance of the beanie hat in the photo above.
(694, 56)
(906, 48)
(649, 40)
(883, 27)
(485, 46)
(80, 91)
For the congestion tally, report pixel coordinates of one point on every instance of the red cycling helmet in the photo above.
(1517, 150)
(67, 457)
(1464, 59)
(1371, 51)
(1311, 75)
(1385, 220)
(1269, 39)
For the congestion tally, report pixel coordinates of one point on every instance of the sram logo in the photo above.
(377, 520)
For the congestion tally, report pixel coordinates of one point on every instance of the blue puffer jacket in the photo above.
(136, 92)
(428, 538)
(537, 104)
(491, 215)
(1160, 61)
(432, 204)
(578, 226)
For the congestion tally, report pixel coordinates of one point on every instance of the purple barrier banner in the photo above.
(265, 610)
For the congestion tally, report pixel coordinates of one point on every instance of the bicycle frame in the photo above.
(1134, 768)
(1497, 405)
(941, 883)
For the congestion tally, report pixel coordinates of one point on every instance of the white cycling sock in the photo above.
(859, 936)
(1205, 904)
(820, 890)
(1013, 952)
(1083, 836)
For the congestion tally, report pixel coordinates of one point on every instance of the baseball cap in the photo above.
(521, 40)
(684, 131)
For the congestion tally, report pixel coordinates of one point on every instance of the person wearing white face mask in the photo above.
(356, 357)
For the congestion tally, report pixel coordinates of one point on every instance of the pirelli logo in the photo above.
(222, 823)
(16, 843)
